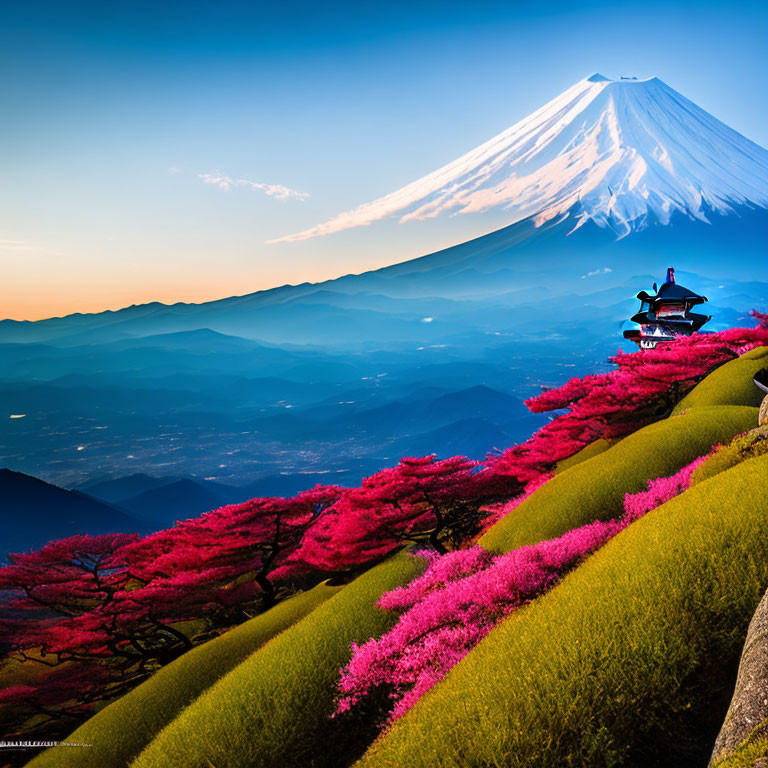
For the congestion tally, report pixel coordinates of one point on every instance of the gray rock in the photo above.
(747, 715)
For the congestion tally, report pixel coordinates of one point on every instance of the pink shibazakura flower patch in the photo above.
(462, 595)
(660, 490)
(448, 611)
(442, 571)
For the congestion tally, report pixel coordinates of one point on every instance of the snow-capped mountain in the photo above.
(619, 153)
(611, 180)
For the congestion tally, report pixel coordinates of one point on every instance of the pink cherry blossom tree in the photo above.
(420, 500)
(642, 388)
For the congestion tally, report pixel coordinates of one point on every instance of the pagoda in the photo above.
(666, 314)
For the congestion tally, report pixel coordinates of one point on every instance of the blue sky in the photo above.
(116, 114)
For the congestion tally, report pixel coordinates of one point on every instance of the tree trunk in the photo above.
(436, 544)
(267, 588)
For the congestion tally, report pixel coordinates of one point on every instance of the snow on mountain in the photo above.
(616, 152)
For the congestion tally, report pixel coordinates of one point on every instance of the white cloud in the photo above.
(603, 271)
(222, 182)
(278, 191)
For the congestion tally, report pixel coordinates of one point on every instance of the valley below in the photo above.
(97, 397)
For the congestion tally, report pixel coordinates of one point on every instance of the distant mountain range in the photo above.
(611, 178)
(204, 404)
(35, 512)
(467, 422)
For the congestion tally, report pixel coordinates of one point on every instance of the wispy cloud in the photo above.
(603, 271)
(361, 216)
(278, 191)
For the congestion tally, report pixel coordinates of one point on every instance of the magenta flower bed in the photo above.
(463, 594)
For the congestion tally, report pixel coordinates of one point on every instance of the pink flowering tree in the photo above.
(420, 500)
(117, 604)
(450, 608)
(644, 387)
(761, 317)
(75, 602)
(226, 557)
(72, 622)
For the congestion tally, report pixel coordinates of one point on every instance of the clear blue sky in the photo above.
(113, 111)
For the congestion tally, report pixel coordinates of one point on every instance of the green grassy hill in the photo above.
(730, 384)
(274, 709)
(627, 662)
(746, 446)
(593, 449)
(121, 730)
(595, 488)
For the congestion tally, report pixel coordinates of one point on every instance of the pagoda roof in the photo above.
(692, 319)
(672, 292)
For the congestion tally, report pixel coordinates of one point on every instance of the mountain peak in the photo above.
(620, 153)
(623, 80)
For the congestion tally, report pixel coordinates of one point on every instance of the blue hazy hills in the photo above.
(274, 391)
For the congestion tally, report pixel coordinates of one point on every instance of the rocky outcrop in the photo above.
(747, 718)
(761, 382)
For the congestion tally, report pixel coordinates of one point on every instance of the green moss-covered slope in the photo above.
(595, 488)
(730, 384)
(274, 709)
(593, 449)
(747, 755)
(121, 730)
(627, 662)
(747, 446)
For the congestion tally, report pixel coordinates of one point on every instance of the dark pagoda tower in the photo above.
(667, 314)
